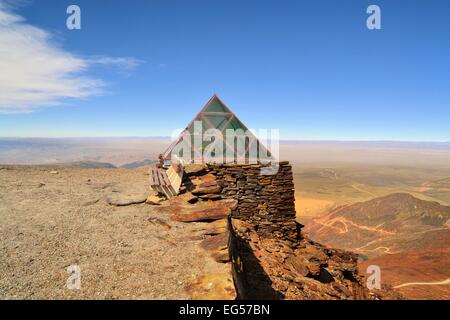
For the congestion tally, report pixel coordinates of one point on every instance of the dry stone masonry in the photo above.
(266, 202)
(270, 258)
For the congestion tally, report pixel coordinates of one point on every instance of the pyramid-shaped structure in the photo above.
(216, 115)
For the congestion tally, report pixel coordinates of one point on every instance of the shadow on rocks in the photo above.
(251, 281)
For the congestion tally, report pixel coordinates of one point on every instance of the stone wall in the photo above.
(265, 202)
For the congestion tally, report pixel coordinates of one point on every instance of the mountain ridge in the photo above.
(384, 225)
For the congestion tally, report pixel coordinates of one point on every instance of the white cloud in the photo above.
(36, 73)
(126, 63)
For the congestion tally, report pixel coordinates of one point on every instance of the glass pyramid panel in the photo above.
(217, 115)
(217, 121)
(216, 106)
(236, 124)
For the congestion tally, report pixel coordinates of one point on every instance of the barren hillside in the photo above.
(384, 225)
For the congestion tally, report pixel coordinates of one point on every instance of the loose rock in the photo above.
(119, 199)
(201, 211)
(155, 199)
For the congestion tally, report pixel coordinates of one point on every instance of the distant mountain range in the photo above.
(138, 164)
(86, 165)
(384, 225)
(408, 238)
(119, 151)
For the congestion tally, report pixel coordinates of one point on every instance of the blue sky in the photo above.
(144, 68)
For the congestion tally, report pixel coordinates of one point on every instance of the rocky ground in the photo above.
(105, 222)
(96, 219)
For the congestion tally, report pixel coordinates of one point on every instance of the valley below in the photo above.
(401, 225)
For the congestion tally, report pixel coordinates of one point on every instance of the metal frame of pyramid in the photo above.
(215, 115)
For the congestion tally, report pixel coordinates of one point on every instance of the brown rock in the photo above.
(215, 286)
(217, 242)
(203, 179)
(298, 264)
(313, 268)
(210, 196)
(202, 211)
(313, 253)
(207, 187)
(213, 228)
(217, 246)
(341, 289)
(194, 169)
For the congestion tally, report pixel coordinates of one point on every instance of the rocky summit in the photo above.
(252, 229)
(230, 233)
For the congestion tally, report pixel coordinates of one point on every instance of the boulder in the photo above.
(194, 169)
(120, 199)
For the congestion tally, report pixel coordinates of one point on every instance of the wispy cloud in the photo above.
(125, 63)
(36, 73)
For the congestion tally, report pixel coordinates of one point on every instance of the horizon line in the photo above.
(168, 137)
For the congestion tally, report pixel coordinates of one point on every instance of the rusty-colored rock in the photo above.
(298, 265)
(195, 169)
(214, 227)
(217, 246)
(215, 286)
(201, 211)
(207, 188)
(210, 196)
